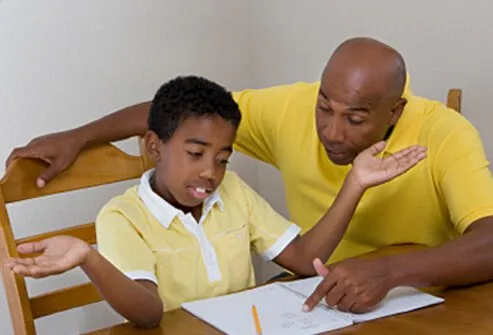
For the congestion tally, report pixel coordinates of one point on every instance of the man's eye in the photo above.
(195, 154)
(354, 121)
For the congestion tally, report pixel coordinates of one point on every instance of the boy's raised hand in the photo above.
(369, 170)
(58, 254)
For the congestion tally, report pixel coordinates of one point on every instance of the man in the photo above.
(312, 132)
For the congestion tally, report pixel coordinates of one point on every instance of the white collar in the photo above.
(162, 210)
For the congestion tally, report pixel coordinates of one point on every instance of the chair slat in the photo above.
(85, 232)
(100, 165)
(64, 299)
(454, 99)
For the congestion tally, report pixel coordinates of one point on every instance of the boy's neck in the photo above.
(195, 211)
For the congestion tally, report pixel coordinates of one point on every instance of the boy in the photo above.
(187, 231)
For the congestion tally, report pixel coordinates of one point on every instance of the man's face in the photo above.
(352, 115)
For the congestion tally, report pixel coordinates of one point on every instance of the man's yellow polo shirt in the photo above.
(148, 239)
(431, 204)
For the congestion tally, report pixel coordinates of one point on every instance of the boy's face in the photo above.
(192, 163)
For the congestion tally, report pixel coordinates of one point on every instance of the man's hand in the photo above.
(369, 170)
(59, 254)
(353, 285)
(59, 150)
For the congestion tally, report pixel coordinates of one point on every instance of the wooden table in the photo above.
(465, 311)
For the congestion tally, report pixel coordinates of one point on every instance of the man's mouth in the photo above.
(335, 153)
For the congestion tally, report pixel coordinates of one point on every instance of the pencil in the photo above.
(256, 321)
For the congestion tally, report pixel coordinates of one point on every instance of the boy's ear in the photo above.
(152, 144)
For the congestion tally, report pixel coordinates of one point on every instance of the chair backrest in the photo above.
(454, 99)
(94, 167)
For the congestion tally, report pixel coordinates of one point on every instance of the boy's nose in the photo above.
(208, 172)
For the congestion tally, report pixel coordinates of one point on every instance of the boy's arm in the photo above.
(323, 238)
(137, 301)
(59, 150)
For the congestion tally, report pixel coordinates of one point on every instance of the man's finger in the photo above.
(322, 289)
(17, 153)
(320, 267)
(347, 302)
(48, 174)
(362, 307)
(335, 295)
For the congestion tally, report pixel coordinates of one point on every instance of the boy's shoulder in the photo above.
(127, 204)
(234, 188)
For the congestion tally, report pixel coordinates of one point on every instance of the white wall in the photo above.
(64, 63)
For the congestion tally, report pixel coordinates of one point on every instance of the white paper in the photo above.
(280, 312)
(279, 308)
(399, 300)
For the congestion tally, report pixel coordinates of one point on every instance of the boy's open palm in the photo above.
(369, 170)
(58, 254)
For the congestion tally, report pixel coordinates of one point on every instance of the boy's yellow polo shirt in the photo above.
(431, 204)
(148, 239)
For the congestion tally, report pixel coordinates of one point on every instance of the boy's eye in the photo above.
(195, 154)
(223, 161)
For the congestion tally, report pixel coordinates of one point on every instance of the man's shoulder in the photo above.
(437, 121)
(284, 90)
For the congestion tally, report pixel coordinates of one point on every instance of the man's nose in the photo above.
(334, 131)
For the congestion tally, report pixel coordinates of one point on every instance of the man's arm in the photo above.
(59, 150)
(137, 301)
(323, 238)
(122, 124)
(466, 260)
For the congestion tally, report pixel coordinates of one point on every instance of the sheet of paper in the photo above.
(280, 312)
(398, 300)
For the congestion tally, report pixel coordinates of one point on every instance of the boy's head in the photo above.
(192, 126)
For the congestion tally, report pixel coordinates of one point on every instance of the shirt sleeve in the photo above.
(270, 232)
(464, 177)
(122, 245)
(261, 111)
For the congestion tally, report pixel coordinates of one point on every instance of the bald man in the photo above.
(312, 132)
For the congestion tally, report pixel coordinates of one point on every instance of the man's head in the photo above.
(192, 125)
(360, 97)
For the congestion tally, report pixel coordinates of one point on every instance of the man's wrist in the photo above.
(402, 270)
(79, 137)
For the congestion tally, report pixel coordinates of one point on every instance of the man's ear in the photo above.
(152, 145)
(397, 111)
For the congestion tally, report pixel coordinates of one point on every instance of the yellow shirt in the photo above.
(148, 239)
(431, 204)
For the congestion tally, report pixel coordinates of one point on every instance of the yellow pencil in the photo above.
(256, 320)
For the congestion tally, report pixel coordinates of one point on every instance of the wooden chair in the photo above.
(454, 99)
(96, 166)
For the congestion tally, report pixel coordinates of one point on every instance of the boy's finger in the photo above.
(31, 247)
